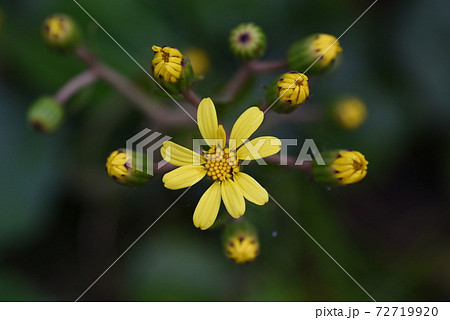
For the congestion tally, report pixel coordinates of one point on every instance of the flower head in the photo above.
(46, 115)
(293, 88)
(242, 249)
(349, 113)
(172, 69)
(316, 53)
(220, 162)
(120, 167)
(288, 92)
(350, 167)
(167, 63)
(327, 46)
(61, 32)
(341, 167)
(248, 41)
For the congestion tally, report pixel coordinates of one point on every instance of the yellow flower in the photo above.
(167, 63)
(350, 113)
(242, 249)
(293, 88)
(118, 164)
(321, 44)
(221, 163)
(350, 167)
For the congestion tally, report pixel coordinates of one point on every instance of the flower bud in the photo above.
(289, 91)
(45, 115)
(199, 60)
(302, 55)
(172, 69)
(61, 33)
(120, 166)
(241, 242)
(349, 113)
(248, 41)
(341, 167)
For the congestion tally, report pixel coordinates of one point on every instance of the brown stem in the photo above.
(190, 96)
(290, 162)
(267, 66)
(77, 83)
(240, 78)
(152, 108)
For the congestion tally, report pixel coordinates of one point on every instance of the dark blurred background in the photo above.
(63, 221)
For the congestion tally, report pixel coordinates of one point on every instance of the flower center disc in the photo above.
(220, 163)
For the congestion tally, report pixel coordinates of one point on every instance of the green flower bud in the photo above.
(289, 91)
(349, 112)
(241, 242)
(61, 33)
(303, 53)
(172, 69)
(120, 166)
(341, 167)
(45, 115)
(248, 41)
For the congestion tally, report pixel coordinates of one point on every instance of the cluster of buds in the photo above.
(121, 166)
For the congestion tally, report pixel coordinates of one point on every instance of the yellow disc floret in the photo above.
(327, 45)
(242, 249)
(118, 164)
(167, 63)
(350, 167)
(221, 163)
(293, 88)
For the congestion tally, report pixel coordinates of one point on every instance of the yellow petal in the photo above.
(251, 189)
(259, 148)
(207, 121)
(222, 135)
(233, 199)
(208, 207)
(183, 177)
(180, 156)
(245, 125)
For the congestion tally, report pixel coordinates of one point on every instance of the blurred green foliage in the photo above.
(63, 222)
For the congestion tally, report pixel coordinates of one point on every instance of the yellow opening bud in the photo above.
(350, 167)
(290, 90)
(172, 69)
(61, 32)
(316, 53)
(242, 249)
(120, 167)
(167, 63)
(327, 45)
(293, 88)
(341, 167)
(117, 165)
(240, 241)
(349, 113)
